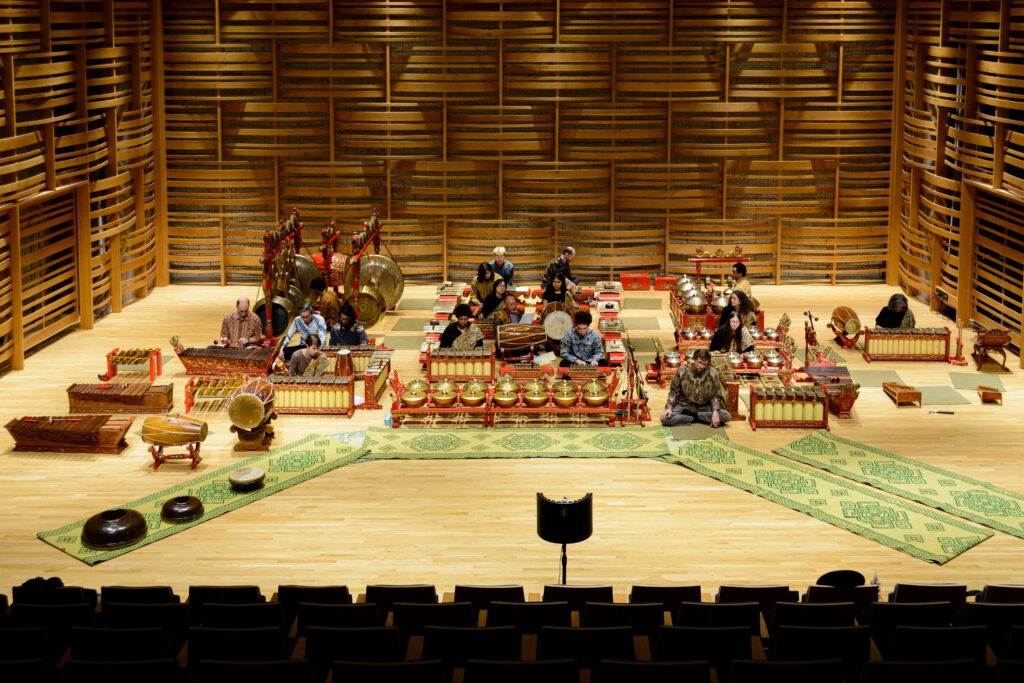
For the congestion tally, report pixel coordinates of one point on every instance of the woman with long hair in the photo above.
(493, 300)
(732, 336)
(483, 283)
(558, 290)
(739, 302)
(896, 314)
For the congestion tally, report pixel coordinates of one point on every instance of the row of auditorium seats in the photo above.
(318, 633)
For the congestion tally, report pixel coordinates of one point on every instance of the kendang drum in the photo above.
(173, 430)
(344, 367)
(844, 319)
(556, 324)
(520, 336)
(251, 404)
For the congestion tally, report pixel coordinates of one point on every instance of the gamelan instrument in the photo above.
(133, 360)
(557, 320)
(842, 391)
(379, 272)
(86, 434)
(800, 406)
(520, 336)
(252, 404)
(324, 395)
(929, 343)
(114, 528)
(370, 306)
(210, 389)
(359, 357)
(225, 361)
(283, 307)
(161, 431)
(120, 398)
(845, 324)
(375, 377)
(902, 394)
(343, 365)
(246, 479)
(461, 364)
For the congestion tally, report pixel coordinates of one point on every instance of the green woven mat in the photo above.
(941, 396)
(642, 303)
(969, 381)
(403, 342)
(874, 378)
(971, 499)
(640, 322)
(287, 466)
(920, 532)
(430, 444)
(417, 304)
(409, 325)
(643, 343)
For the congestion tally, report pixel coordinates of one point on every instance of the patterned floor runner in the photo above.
(977, 501)
(432, 444)
(285, 467)
(919, 532)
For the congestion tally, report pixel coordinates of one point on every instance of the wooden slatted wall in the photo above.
(960, 196)
(78, 178)
(635, 130)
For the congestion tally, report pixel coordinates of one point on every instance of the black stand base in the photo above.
(565, 562)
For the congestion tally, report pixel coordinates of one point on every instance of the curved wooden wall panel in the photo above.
(961, 194)
(634, 130)
(78, 191)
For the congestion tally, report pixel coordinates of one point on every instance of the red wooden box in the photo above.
(635, 281)
(663, 283)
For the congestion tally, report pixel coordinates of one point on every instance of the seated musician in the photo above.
(509, 311)
(896, 315)
(483, 283)
(462, 334)
(739, 302)
(305, 323)
(241, 327)
(695, 394)
(309, 362)
(502, 268)
(581, 346)
(740, 281)
(347, 331)
(560, 263)
(558, 291)
(327, 301)
(732, 336)
(493, 301)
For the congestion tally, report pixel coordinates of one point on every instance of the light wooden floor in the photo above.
(473, 521)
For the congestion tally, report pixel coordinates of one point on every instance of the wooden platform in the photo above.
(474, 521)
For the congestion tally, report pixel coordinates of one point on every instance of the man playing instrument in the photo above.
(241, 327)
(502, 268)
(508, 313)
(308, 362)
(560, 263)
(347, 331)
(462, 334)
(740, 281)
(581, 346)
(695, 394)
(305, 323)
(896, 314)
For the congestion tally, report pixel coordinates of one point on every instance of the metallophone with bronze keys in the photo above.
(133, 360)
(803, 407)
(461, 365)
(219, 360)
(930, 343)
(324, 395)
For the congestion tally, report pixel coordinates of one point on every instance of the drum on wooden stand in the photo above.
(252, 404)
(520, 336)
(844, 319)
(173, 430)
(556, 324)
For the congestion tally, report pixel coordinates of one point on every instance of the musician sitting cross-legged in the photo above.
(509, 311)
(483, 284)
(557, 290)
(502, 268)
(581, 346)
(305, 323)
(732, 336)
(560, 263)
(695, 394)
(896, 314)
(493, 302)
(738, 301)
(347, 331)
(462, 334)
(309, 362)
(241, 327)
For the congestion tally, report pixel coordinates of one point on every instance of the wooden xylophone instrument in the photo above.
(133, 360)
(227, 361)
(360, 355)
(929, 343)
(804, 407)
(210, 389)
(461, 365)
(120, 398)
(375, 377)
(87, 434)
(324, 395)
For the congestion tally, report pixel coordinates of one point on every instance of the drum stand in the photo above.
(159, 456)
(841, 338)
(256, 439)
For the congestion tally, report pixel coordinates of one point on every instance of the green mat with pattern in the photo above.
(642, 303)
(287, 466)
(941, 396)
(417, 304)
(431, 444)
(891, 521)
(640, 323)
(403, 342)
(969, 381)
(962, 496)
(409, 325)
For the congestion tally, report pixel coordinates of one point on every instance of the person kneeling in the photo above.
(581, 346)
(695, 394)
(308, 361)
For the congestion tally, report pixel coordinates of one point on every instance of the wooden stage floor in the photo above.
(473, 521)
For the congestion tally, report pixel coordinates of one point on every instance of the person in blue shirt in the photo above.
(502, 268)
(581, 346)
(305, 323)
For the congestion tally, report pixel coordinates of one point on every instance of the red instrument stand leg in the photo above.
(959, 359)
(159, 457)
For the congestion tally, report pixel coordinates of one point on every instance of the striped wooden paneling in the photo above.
(49, 294)
(999, 264)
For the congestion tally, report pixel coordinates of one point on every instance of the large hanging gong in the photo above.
(371, 307)
(380, 272)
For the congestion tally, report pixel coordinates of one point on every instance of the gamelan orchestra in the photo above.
(508, 347)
